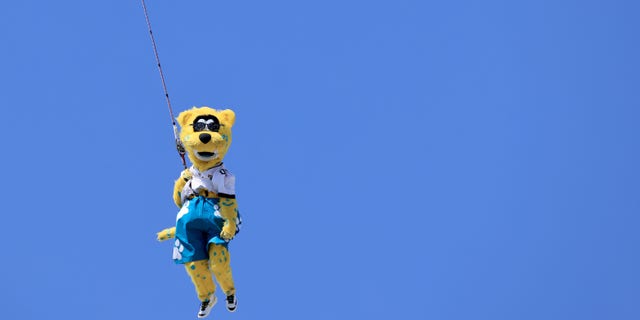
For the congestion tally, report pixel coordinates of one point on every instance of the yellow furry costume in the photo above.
(208, 218)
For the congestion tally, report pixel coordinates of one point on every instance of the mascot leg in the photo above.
(219, 260)
(201, 277)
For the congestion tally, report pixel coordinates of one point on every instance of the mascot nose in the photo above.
(205, 137)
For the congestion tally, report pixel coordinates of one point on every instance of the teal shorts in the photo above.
(199, 224)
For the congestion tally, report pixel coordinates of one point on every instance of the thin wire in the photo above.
(155, 51)
(179, 145)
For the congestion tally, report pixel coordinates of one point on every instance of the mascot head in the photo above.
(206, 135)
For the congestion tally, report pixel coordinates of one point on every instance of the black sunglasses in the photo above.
(200, 126)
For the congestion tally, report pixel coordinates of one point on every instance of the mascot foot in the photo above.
(232, 303)
(205, 306)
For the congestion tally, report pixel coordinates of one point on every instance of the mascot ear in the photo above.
(185, 117)
(228, 117)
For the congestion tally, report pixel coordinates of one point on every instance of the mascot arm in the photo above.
(228, 211)
(179, 185)
(170, 233)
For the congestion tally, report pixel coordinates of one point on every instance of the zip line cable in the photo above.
(179, 146)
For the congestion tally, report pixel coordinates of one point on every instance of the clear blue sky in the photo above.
(445, 160)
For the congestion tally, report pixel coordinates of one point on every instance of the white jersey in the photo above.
(218, 180)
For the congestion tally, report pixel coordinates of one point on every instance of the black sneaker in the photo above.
(232, 303)
(205, 306)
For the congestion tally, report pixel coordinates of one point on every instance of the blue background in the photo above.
(395, 159)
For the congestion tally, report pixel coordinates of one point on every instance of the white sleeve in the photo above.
(225, 183)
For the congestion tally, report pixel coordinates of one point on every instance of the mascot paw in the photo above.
(228, 232)
(166, 234)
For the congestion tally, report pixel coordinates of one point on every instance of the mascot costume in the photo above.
(208, 218)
